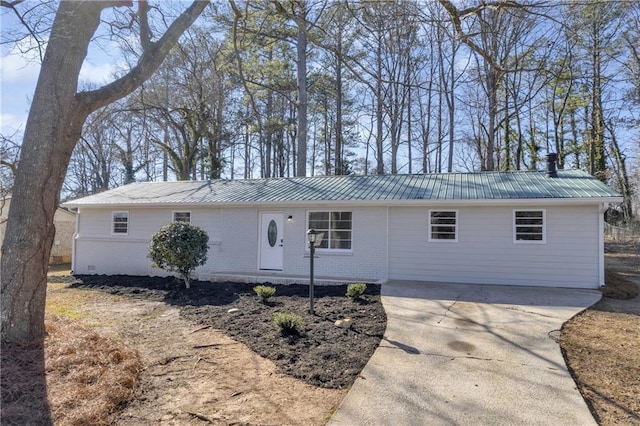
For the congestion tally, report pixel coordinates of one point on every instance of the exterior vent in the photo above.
(552, 172)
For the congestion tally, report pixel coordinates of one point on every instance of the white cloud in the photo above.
(17, 69)
(18, 78)
(11, 124)
(96, 74)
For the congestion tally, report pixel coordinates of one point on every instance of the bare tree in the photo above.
(53, 128)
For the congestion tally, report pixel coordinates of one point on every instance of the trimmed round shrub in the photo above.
(179, 247)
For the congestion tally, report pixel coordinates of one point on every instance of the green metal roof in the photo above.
(385, 189)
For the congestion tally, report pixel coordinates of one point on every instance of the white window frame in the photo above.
(113, 222)
(543, 227)
(326, 233)
(173, 216)
(431, 225)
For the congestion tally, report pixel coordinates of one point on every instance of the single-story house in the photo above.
(512, 228)
(64, 221)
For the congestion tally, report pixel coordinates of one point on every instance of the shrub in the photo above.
(179, 247)
(287, 322)
(356, 290)
(264, 291)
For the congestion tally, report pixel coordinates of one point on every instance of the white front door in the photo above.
(271, 240)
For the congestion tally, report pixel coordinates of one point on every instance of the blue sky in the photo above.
(18, 78)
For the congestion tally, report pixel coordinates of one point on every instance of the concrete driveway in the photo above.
(457, 354)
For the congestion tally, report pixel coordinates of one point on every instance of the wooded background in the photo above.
(293, 88)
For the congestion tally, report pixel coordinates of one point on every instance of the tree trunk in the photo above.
(450, 97)
(379, 101)
(53, 128)
(622, 176)
(507, 129)
(339, 162)
(599, 166)
(54, 116)
(268, 139)
(492, 89)
(574, 134)
(302, 93)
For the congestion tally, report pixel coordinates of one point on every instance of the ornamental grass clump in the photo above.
(288, 323)
(355, 290)
(264, 291)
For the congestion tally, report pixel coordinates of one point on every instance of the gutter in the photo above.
(74, 241)
(365, 203)
(603, 208)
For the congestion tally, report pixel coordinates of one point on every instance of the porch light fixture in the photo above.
(290, 219)
(312, 234)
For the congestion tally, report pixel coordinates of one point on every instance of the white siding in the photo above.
(366, 259)
(98, 251)
(238, 252)
(233, 242)
(485, 252)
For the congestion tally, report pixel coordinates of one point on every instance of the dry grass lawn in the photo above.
(602, 344)
(77, 377)
(89, 375)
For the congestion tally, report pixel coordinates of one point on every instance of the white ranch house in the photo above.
(511, 228)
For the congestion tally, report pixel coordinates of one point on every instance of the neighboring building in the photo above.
(65, 223)
(512, 228)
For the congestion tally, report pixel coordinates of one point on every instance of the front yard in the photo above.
(211, 355)
(194, 362)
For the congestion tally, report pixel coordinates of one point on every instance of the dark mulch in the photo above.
(323, 354)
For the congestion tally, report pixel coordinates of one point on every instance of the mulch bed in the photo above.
(323, 354)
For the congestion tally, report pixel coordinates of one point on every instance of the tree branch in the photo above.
(456, 19)
(145, 31)
(150, 60)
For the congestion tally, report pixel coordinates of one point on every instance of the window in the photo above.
(529, 226)
(120, 223)
(182, 217)
(443, 225)
(335, 228)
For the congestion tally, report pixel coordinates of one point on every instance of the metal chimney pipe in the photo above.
(552, 158)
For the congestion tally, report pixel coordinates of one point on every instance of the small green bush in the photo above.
(264, 291)
(179, 247)
(287, 322)
(356, 290)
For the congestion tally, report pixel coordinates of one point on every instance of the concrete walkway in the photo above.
(457, 354)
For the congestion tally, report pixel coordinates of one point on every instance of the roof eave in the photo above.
(363, 203)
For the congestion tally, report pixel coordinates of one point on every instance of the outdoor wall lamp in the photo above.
(312, 234)
(290, 219)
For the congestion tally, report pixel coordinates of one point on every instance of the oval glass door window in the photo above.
(272, 233)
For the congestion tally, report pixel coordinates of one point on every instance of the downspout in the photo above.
(387, 268)
(73, 242)
(603, 208)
